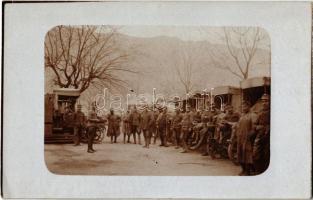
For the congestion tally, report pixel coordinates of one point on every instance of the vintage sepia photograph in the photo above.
(157, 100)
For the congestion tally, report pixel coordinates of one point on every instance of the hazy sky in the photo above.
(182, 32)
(194, 33)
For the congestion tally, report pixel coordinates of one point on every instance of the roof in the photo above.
(255, 82)
(225, 90)
(67, 92)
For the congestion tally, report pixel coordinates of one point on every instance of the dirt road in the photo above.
(131, 159)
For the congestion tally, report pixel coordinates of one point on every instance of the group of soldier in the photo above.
(154, 123)
(248, 132)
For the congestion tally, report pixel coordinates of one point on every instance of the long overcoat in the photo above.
(145, 120)
(113, 125)
(245, 133)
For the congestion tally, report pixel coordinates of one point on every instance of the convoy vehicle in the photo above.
(59, 112)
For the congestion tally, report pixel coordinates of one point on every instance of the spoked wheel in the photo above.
(223, 153)
(100, 133)
(223, 148)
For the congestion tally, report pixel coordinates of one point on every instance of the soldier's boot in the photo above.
(134, 138)
(128, 138)
(185, 150)
(154, 140)
(148, 141)
(124, 139)
(165, 143)
(144, 138)
(111, 139)
(144, 146)
(176, 144)
(185, 147)
(115, 139)
(139, 139)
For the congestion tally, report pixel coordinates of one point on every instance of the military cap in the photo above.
(265, 97)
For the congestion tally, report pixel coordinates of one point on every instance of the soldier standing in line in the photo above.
(227, 123)
(145, 122)
(176, 127)
(261, 147)
(161, 126)
(245, 133)
(135, 120)
(126, 127)
(92, 128)
(113, 126)
(197, 126)
(230, 125)
(192, 114)
(79, 125)
(210, 119)
(219, 124)
(169, 131)
(186, 129)
(156, 131)
(203, 130)
(197, 117)
(152, 125)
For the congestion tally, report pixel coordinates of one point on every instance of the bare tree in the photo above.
(185, 67)
(85, 55)
(242, 46)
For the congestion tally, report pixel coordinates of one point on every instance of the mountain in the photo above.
(155, 59)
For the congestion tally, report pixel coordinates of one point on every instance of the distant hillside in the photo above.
(155, 59)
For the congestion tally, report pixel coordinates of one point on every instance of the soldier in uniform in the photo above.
(227, 122)
(161, 126)
(156, 131)
(245, 132)
(203, 130)
(135, 121)
(126, 126)
(231, 117)
(92, 128)
(261, 147)
(229, 131)
(176, 127)
(113, 126)
(169, 132)
(79, 125)
(197, 117)
(186, 129)
(210, 143)
(192, 114)
(152, 124)
(197, 126)
(219, 120)
(145, 122)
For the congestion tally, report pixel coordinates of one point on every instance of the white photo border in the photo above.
(24, 169)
